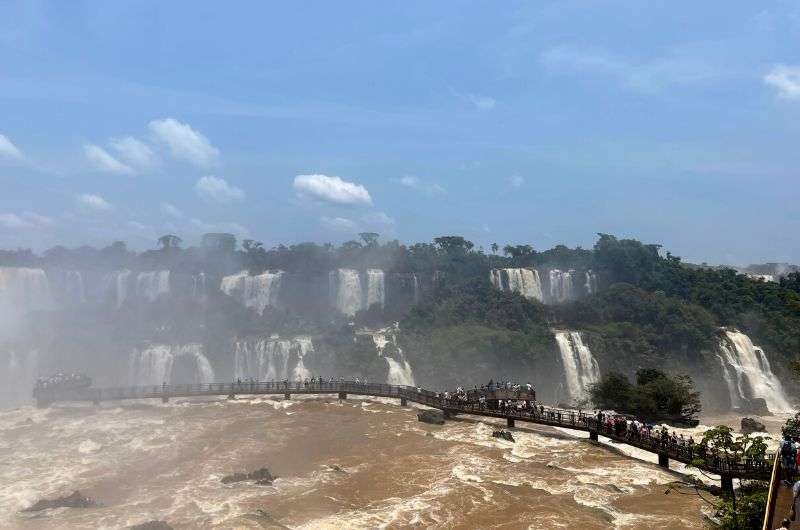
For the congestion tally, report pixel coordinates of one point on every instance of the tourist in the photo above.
(786, 523)
(788, 453)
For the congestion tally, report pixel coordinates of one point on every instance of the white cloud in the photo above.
(28, 220)
(134, 151)
(516, 181)
(331, 189)
(11, 220)
(482, 102)
(786, 79)
(92, 202)
(9, 150)
(409, 181)
(679, 66)
(226, 227)
(170, 210)
(103, 161)
(184, 142)
(338, 224)
(216, 190)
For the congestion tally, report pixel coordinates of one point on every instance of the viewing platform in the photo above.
(719, 464)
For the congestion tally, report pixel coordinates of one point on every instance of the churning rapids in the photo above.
(353, 464)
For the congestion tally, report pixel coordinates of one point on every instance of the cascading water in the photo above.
(23, 290)
(272, 359)
(346, 292)
(580, 367)
(152, 284)
(561, 286)
(400, 371)
(164, 363)
(73, 287)
(748, 374)
(17, 375)
(258, 292)
(416, 288)
(523, 281)
(117, 284)
(591, 283)
(376, 288)
(199, 285)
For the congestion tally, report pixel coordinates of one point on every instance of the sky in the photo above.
(541, 123)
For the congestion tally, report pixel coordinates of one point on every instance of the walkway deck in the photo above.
(726, 468)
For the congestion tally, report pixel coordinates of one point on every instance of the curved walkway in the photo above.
(725, 467)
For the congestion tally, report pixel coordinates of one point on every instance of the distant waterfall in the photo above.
(376, 288)
(152, 284)
(17, 376)
(580, 367)
(561, 286)
(591, 283)
(258, 292)
(199, 285)
(119, 281)
(23, 290)
(400, 371)
(272, 359)
(346, 293)
(416, 288)
(523, 281)
(73, 287)
(748, 374)
(164, 363)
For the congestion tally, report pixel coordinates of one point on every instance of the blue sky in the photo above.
(515, 122)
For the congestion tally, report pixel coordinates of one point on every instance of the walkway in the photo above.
(725, 467)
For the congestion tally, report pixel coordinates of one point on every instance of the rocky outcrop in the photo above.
(151, 525)
(75, 500)
(262, 477)
(749, 425)
(504, 435)
(432, 416)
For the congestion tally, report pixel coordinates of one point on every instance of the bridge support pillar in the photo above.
(342, 395)
(287, 396)
(726, 482)
(593, 436)
(403, 402)
(164, 399)
(663, 460)
(231, 396)
(510, 422)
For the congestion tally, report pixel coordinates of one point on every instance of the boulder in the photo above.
(262, 477)
(75, 500)
(749, 425)
(432, 416)
(151, 525)
(755, 406)
(504, 435)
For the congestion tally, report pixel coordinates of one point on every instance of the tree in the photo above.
(251, 245)
(519, 252)
(169, 242)
(370, 239)
(219, 242)
(495, 247)
(453, 244)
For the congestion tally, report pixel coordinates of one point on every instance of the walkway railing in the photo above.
(720, 464)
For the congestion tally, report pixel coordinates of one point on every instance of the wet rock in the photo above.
(749, 425)
(151, 525)
(756, 406)
(503, 435)
(262, 477)
(433, 416)
(75, 500)
(337, 469)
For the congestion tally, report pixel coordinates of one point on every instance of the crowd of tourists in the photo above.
(62, 380)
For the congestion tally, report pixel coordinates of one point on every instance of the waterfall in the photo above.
(747, 373)
(152, 284)
(523, 281)
(272, 359)
(23, 290)
(73, 287)
(164, 363)
(346, 293)
(117, 284)
(591, 283)
(376, 288)
(400, 371)
(560, 285)
(17, 376)
(257, 292)
(416, 288)
(199, 289)
(580, 367)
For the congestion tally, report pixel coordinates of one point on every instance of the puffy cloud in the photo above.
(103, 161)
(134, 151)
(216, 190)
(27, 220)
(8, 150)
(332, 189)
(516, 181)
(409, 181)
(338, 224)
(92, 202)
(785, 79)
(184, 142)
(170, 210)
